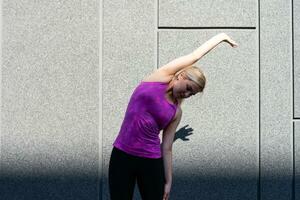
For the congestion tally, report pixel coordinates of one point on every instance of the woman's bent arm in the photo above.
(183, 61)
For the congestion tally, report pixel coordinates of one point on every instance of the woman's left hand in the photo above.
(231, 41)
(167, 191)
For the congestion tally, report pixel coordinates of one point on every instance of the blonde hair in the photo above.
(194, 73)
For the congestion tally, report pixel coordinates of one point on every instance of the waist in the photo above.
(145, 151)
(121, 152)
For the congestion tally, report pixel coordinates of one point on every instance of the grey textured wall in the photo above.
(50, 100)
(69, 67)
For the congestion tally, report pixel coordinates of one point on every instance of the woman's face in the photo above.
(184, 87)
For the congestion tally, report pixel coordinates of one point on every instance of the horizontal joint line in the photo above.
(216, 27)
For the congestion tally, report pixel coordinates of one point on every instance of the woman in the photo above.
(155, 105)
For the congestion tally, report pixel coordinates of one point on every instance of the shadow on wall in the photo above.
(75, 187)
(56, 186)
(183, 133)
(196, 187)
(185, 186)
(190, 183)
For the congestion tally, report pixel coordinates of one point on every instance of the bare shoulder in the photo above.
(158, 76)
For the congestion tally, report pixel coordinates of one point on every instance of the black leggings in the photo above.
(125, 169)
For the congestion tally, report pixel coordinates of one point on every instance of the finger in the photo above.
(165, 196)
(234, 43)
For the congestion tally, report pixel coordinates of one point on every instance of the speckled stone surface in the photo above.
(297, 59)
(50, 114)
(204, 13)
(64, 95)
(276, 100)
(297, 159)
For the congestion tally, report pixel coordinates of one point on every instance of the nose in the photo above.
(185, 94)
(188, 94)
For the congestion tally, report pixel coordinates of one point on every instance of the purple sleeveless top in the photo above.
(147, 113)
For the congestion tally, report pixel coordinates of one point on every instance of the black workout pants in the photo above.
(126, 169)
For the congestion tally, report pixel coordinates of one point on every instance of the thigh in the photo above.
(151, 179)
(122, 175)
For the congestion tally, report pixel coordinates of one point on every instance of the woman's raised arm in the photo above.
(183, 61)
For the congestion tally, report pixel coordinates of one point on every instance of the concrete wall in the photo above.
(50, 147)
(69, 68)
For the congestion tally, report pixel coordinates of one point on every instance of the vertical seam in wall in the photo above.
(156, 21)
(293, 124)
(259, 132)
(100, 169)
(293, 178)
(293, 103)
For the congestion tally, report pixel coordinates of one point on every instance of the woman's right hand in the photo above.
(167, 191)
(229, 40)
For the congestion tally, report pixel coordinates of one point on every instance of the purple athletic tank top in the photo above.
(147, 113)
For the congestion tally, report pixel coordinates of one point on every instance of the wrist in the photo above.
(223, 36)
(168, 182)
